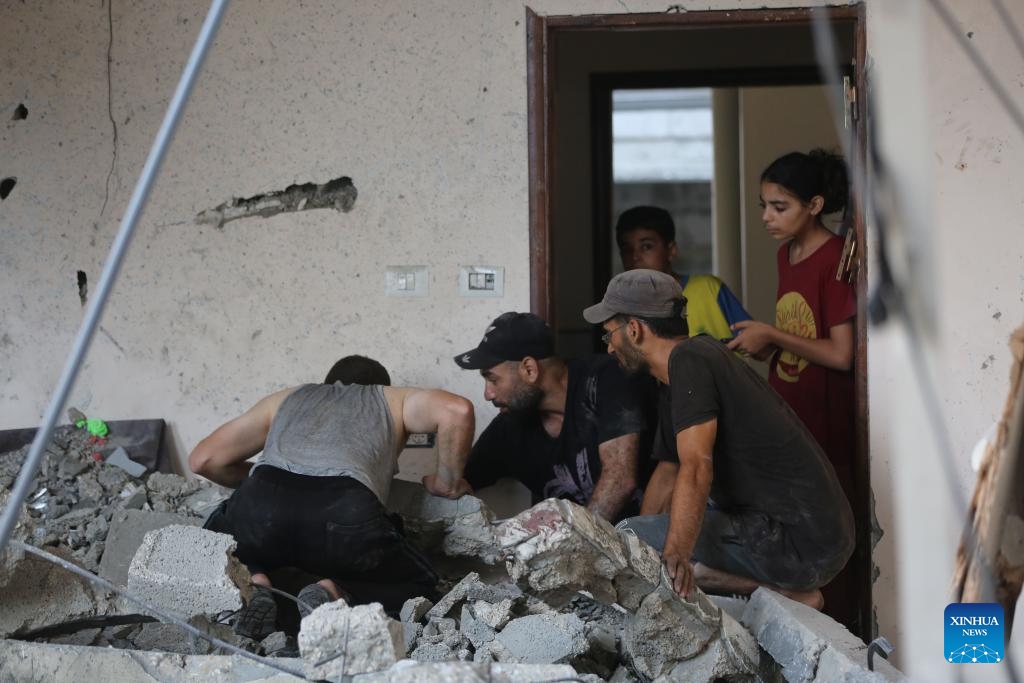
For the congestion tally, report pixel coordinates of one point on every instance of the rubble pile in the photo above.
(553, 593)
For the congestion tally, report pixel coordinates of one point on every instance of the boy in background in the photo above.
(646, 236)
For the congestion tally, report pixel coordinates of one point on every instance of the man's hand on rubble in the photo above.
(680, 571)
(457, 489)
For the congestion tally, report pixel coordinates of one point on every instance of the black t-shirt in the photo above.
(602, 403)
(764, 458)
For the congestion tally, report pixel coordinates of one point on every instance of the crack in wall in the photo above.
(110, 103)
(338, 194)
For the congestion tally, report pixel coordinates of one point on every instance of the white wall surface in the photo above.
(424, 106)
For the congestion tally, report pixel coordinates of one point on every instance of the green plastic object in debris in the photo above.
(95, 426)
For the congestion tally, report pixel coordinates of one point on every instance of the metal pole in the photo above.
(9, 516)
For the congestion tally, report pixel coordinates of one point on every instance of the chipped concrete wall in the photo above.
(424, 107)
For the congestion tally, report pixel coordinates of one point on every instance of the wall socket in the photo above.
(406, 281)
(481, 281)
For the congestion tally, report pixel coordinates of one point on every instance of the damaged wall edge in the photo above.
(338, 194)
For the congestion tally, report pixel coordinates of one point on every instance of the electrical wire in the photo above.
(164, 616)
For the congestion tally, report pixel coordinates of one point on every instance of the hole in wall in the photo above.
(83, 287)
(338, 194)
(6, 185)
(20, 113)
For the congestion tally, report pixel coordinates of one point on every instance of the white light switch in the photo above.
(405, 281)
(481, 281)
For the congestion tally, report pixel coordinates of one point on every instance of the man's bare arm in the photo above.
(695, 446)
(221, 457)
(658, 494)
(451, 417)
(619, 462)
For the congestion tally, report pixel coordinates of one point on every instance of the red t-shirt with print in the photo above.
(810, 302)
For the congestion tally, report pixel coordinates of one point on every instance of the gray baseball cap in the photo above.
(643, 293)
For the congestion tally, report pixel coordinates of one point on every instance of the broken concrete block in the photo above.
(10, 557)
(666, 630)
(440, 626)
(409, 671)
(460, 528)
(415, 609)
(172, 485)
(411, 632)
(453, 597)
(275, 642)
(801, 639)
(734, 607)
(433, 652)
(543, 639)
(39, 594)
(374, 641)
(127, 529)
(732, 656)
(119, 458)
(476, 630)
(642, 573)
(189, 571)
(558, 548)
(494, 615)
(24, 661)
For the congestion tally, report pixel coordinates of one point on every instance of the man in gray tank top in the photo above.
(315, 502)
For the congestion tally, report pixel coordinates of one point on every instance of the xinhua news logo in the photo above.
(974, 633)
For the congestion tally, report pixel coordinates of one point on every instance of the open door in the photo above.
(746, 58)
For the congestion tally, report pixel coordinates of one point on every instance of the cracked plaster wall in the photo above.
(424, 107)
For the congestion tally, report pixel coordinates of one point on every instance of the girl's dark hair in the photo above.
(819, 172)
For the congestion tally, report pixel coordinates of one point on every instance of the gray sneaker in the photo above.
(311, 597)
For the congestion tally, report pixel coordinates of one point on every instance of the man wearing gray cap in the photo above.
(741, 490)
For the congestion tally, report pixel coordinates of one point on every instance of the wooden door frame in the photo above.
(542, 32)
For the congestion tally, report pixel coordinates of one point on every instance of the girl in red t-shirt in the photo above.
(810, 346)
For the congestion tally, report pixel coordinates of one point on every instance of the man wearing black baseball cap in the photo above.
(571, 429)
(741, 489)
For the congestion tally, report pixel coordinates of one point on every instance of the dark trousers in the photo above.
(330, 527)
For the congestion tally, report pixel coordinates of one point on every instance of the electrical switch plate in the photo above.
(481, 281)
(406, 281)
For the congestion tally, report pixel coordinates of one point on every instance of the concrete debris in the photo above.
(457, 594)
(273, 643)
(11, 557)
(189, 571)
(408, 671)
(809, 645)
(666, 630)
(493, 615)
(433, 652)
(127, 529)
(543, 639)
(460, 528)
(410, 634)
(40, 594)
(366, 639)
(415, 609)
(475, 630)
(119, 458)
(37, 662)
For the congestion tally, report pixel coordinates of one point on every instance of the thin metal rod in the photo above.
(135, 207)
(164, 616)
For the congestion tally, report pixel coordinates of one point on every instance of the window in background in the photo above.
(662, 156)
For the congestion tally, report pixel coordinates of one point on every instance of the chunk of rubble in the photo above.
(10, 556)
(809, 645)
(433, 652)
(337, 640)
(415, 609)
(189, 571)
(127, 529)
(408, 671)
(22, 661)
(543, 639)
(40, 594)
(460, 528)
(476, 630)
(558, 548)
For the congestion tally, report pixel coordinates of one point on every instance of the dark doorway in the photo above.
(576, 64)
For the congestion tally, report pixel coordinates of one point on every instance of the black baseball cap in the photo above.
(512, 336)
